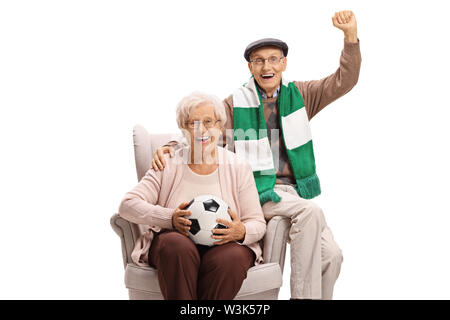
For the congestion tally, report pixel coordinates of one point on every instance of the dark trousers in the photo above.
(190, 272)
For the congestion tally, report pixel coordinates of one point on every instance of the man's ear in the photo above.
(284, 64)
(250, 67)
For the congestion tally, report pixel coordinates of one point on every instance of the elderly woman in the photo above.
(186, 270)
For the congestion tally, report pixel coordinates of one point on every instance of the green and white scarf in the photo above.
(252, 143)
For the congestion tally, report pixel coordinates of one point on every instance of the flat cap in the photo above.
(264, 43)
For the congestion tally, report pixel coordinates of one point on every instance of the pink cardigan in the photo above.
(151, 202)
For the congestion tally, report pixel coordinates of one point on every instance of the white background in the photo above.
(76, 76)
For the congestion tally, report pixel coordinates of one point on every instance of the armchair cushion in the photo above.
(260, 278)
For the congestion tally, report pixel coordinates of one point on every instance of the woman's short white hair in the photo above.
(195, 99)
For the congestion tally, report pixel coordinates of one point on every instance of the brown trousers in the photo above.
(189, 272)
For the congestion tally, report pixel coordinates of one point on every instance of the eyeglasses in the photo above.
(208, 123)
(273, 60)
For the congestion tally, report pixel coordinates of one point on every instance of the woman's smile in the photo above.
(203, 139)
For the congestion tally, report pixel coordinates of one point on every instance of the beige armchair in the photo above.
(263, 281)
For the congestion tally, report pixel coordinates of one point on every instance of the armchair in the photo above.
(263, 281)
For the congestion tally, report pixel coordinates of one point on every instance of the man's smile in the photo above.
(267, 76)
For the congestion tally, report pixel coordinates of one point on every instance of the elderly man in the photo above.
(269, 107)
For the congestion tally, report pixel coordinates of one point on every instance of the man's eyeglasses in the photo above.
(273, 60)
(208, 123)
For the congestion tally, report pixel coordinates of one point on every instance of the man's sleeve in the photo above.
(317, 94)
(176, 142)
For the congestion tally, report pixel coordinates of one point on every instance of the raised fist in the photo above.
(345, 21)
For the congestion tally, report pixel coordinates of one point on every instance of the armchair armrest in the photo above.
(128, 233)
(274, 247)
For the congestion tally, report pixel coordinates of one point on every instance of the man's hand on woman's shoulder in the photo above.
(158, 162)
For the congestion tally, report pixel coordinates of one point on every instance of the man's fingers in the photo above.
(154, 166)
(348, 14)
(159, 164)
(345, 16)
(336, 18)
(172, 152)
(160, 154)
(341, 18)
(335, 21)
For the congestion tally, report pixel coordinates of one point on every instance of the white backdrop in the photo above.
(76, 76)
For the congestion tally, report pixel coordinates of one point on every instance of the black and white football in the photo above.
(205, 210)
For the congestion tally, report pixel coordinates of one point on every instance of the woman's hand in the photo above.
(235, 231)
(158, 157)
(180, 223)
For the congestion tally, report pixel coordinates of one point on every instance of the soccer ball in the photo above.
(205, 210)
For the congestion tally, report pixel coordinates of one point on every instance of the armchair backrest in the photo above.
(145, 145)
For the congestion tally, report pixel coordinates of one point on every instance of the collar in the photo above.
(264, 95)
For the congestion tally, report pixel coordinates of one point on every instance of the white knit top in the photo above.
(194, 184)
